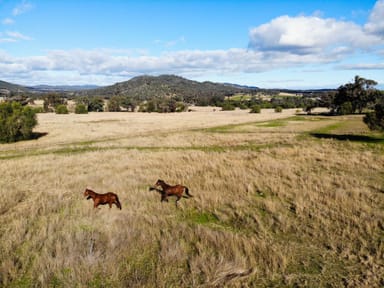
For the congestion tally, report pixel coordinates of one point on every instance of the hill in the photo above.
(11, 88)
(150, 87)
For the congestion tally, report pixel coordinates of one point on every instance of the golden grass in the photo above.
(272, 207)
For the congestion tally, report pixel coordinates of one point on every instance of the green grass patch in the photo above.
(240, 97)
(200, 217)
(274, 123)
(348, 129)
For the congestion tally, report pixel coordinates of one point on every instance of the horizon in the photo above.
(275, 45)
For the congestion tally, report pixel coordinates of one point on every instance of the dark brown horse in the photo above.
(168, 190)
(102, 199)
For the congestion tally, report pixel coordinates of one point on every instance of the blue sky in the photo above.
(270, 44)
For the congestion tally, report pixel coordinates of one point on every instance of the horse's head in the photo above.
(87, 192)
(159, 182)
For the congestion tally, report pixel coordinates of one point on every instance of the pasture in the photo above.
(279, 201)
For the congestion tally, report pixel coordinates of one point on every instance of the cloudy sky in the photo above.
(270, 44)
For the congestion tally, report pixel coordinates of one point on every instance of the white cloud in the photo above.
(7, 39)
(22, 8)
(363, 66)
(8, 21)
(17, 35)
(111, 65)
(304, 35)
(375, 24)
(171, 43)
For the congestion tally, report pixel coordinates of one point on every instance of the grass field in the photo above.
(279, 201)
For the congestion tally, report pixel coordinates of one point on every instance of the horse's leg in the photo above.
(187, 192)
(118, 204)
(177, 200)
(164, 197)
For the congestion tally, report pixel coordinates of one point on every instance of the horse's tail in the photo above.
(118, 203)
(187, 191)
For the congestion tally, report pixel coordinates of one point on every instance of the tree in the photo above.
(16, 122)
(375, 119)
(95, 104)
(129, 103)
(360, 94)
(114, 104)
(309, 105)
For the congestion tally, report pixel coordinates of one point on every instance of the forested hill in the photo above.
(166, 86)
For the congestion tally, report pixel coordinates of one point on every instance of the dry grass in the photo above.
(273, 206)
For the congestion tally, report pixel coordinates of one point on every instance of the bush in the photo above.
(278, 109)
(255, 109)
(61, 109)
(181, 107)
(16, 122)
(375, 120)
(242, 106)
(228, 107)
(39, 110)
(81, 109)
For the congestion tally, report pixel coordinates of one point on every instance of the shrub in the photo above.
(39, 110)
(228, 107)
(81, 109)
(181, 107)
(255, 109)
(375, 120)
(278, 109)
(61, 109)
(242, 106)
(16, 122)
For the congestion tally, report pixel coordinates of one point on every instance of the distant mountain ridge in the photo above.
(44, 88)
(12, 87)
(61, 88)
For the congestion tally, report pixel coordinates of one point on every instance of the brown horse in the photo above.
(102, 199)
(168, 190)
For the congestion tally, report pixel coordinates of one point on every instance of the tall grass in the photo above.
(297, 211)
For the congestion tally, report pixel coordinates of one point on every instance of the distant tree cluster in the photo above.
(283, 102)
(163, 106)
